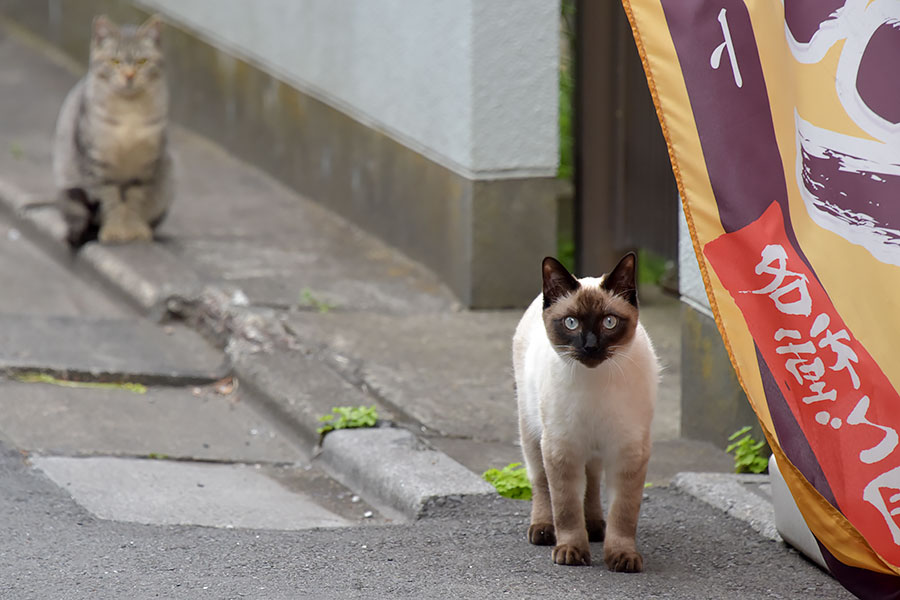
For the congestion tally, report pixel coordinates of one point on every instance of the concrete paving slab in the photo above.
(476, 455)
(162, 492)
(293, 270)
(450, 371)
(33, 90)
(173, 422)
(292, 388)
(108, 349)
(145, 274)
(670, 457)
(240, 225)
(425, 363)
(34, 284)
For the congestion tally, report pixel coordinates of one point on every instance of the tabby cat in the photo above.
(111, 160)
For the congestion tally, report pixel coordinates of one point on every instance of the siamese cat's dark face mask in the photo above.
(590, 323)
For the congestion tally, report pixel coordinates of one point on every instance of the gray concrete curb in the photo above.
(395, 468)
(392, 467)
(744, 497)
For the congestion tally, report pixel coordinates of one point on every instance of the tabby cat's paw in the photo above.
(124, 231)
(542, 534)
(566, 554)
(596, 530)
(624, 561)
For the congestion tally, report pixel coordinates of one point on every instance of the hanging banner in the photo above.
(782, 119)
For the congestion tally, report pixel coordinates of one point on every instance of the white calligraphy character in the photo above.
(845, 354)
(774, 263)
(715, 58)
(882, 449)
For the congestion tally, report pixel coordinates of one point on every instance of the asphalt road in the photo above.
(50, 548)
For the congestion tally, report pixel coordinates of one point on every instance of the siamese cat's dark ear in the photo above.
(558, 282)
(621, 280)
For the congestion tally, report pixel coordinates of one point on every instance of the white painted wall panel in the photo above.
(690, 280)
(469, 83)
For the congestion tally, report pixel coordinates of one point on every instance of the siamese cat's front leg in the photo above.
(619, 549)
(565, 468)
(540, 530)
(593, 508)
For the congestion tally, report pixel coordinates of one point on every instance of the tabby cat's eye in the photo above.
(610, 322)
(141, 61)
(114, 61)
(571, 323)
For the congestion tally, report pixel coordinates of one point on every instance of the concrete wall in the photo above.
(471, 84)
(690, 280)
(713, 404)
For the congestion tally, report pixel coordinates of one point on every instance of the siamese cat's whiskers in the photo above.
(623, 355)
(564, 414)
(615, 363)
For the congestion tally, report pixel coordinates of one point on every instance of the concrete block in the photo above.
(174, 422)
(159, 492)
(394, 468)
(713, 405)
(107, 350)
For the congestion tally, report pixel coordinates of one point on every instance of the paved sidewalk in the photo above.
(313, 312)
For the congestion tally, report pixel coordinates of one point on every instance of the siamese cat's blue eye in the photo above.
(610, 322)
(571, 323)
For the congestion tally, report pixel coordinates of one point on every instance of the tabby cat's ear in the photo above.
(152, 29)
(620, 281)
(103, 28)
(558, 282)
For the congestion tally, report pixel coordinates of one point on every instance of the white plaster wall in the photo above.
(690, 280)
(471, 84)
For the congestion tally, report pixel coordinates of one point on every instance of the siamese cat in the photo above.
(586, 381)
(111, 160)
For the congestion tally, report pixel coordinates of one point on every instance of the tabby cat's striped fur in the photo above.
(110, 156)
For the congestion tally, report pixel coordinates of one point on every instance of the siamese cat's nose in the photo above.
(590, 341)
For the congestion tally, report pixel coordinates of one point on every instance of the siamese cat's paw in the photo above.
(566, 554)
(542, 534)
(596, 530)
(624, 561)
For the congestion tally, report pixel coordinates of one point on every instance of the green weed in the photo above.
(748, 457)
(307, 298)
(348, 417)
(511, 481)
(33, 377)
(651, 267)
(565, 252)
